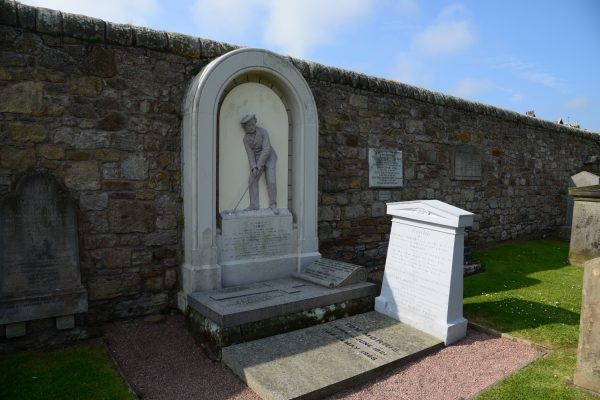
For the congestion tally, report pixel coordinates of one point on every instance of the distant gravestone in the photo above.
(588, 354)
(583, 178)
(466, 163)
(385, 168)
(585, 230)
(423, 277)
(332, 273)
(39, 256)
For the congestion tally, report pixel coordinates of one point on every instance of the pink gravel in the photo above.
(161, 361)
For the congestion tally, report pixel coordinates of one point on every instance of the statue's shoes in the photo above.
(274, 208)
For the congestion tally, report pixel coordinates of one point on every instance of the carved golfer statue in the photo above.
(261, 157)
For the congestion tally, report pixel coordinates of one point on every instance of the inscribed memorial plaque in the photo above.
(39, 255)
(466, 163)
(332, 273)
(423, 277)
(385, 168)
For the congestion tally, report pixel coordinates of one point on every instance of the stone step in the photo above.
(323, 359)
(221, 317)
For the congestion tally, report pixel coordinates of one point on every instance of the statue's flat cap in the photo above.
(247, 118)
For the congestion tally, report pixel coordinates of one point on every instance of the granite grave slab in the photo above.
(323, 359)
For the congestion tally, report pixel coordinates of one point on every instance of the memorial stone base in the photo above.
(223, 317)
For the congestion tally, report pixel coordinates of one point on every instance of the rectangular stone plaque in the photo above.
(323, 359)
(385, 168)
(332, 273)
(466, 163)
(39, 256)
(422, 282)
(255, 235)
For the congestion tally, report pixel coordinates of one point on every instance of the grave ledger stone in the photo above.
(585, 231)
(423, 278)
(39, 256)
(588, 355)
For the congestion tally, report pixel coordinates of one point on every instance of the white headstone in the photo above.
(423, 278)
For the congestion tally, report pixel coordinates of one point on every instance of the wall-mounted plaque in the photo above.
(385, 168)
(466, 163)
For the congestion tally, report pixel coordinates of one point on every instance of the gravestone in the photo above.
(39, 256)
(585, 232)
(423, 276)
(385, 168)
(587, 374)
(466, 163)
(583, 178)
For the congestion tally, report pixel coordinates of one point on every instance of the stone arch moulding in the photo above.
(201, 270)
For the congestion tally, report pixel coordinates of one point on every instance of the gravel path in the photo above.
(161, 361)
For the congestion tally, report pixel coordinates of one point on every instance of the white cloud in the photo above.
(577, 103)
(470, 87)
(448, 34)
(294, 27)
(517, 97)
(529, 72)
(134, 12)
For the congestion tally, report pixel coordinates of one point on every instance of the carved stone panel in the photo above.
(466, 163)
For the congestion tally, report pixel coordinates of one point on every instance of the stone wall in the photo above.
(99, 106)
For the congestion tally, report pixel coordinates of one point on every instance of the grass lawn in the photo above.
(78, 372)
(530, 291)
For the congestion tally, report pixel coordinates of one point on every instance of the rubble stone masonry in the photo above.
(98, 105)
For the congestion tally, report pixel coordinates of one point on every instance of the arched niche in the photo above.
(201, 269)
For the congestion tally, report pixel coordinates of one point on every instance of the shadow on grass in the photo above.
(508, 267)
(516, 314)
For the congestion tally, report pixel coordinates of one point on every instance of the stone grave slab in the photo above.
(258, 301)
(333, 273)
(320, 360)
(423, 276)
(385, 168)
(39, 255)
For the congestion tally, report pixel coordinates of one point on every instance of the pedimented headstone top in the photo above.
(432, 211)
(585, 178)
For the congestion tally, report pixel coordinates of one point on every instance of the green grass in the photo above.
(78, 372)
(529, 291)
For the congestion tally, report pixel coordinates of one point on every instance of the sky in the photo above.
(540, 55)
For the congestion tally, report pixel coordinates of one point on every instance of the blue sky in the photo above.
(520, 55)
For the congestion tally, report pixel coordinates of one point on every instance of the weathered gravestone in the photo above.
(39, 256)
(585, 232)
(588, 354)
(583, 178)
(466, 163)
(423, 278)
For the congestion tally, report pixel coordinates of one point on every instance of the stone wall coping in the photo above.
(94, 30)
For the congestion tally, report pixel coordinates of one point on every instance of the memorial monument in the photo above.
(251, 262)
(423, 278)
(39, 256)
